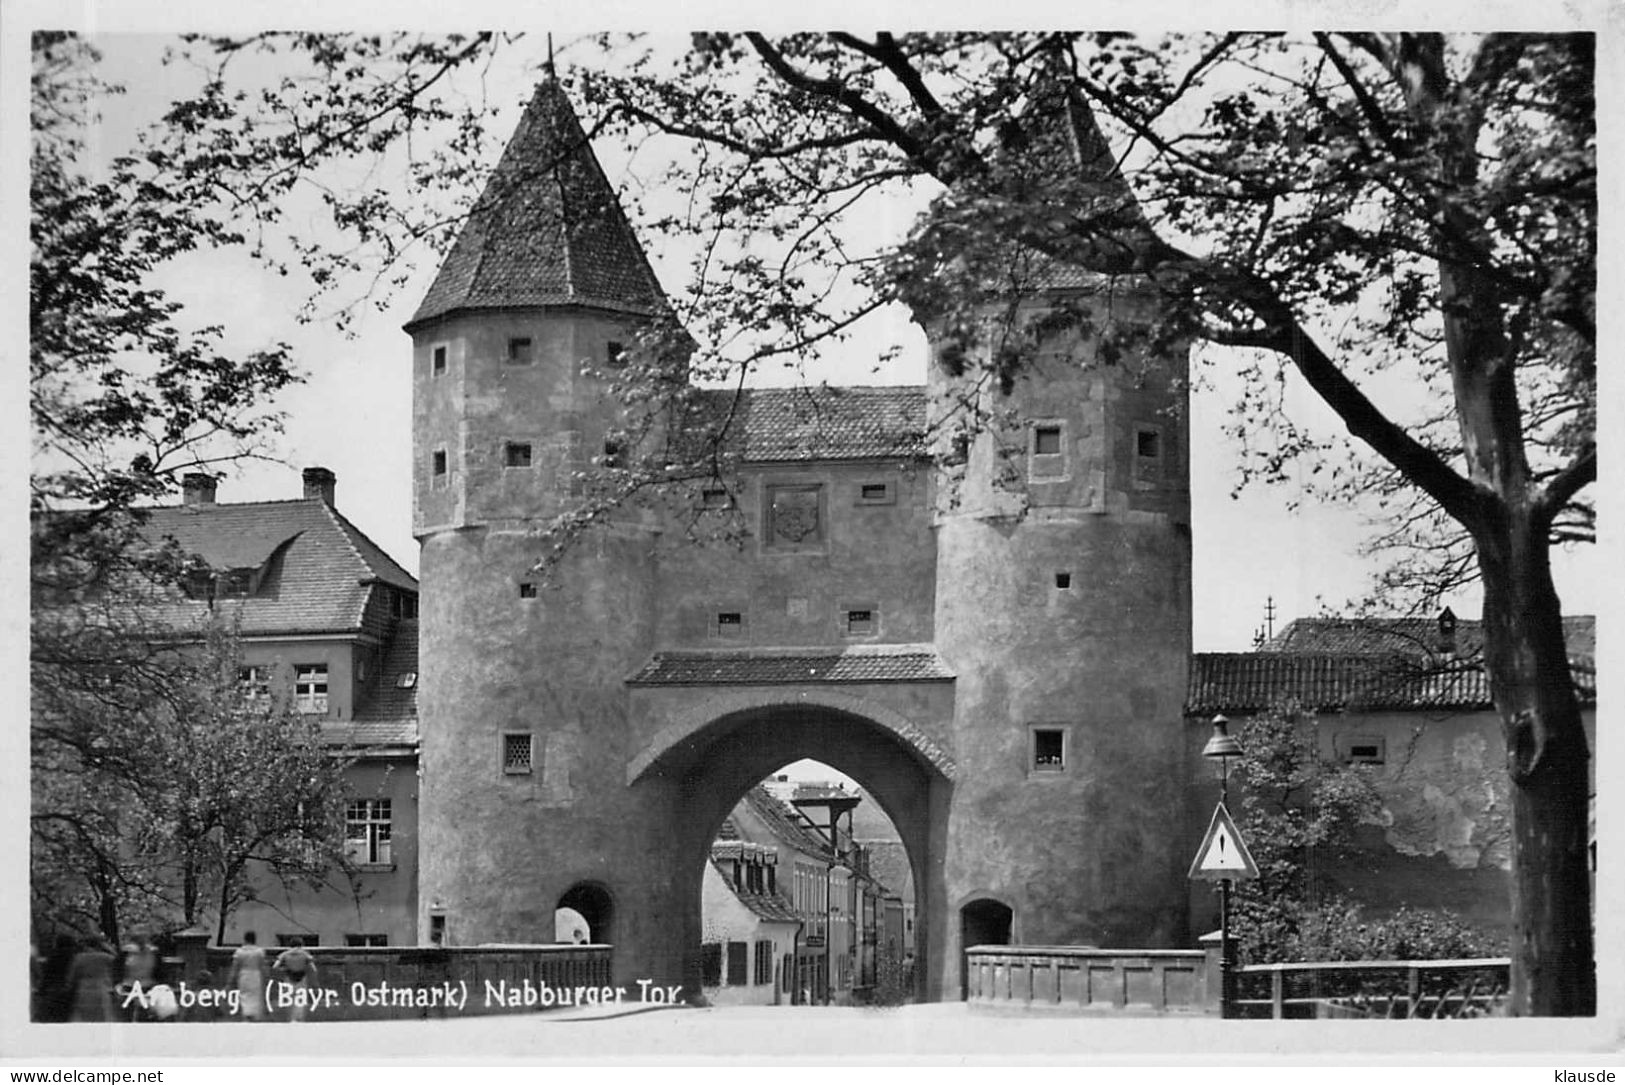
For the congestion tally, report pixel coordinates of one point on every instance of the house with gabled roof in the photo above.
(327, 619)
(1410, 699)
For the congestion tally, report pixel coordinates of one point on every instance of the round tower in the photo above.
(1064, 604)
(521, 712)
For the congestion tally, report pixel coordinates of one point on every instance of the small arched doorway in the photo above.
(594, 905)
(982, 922)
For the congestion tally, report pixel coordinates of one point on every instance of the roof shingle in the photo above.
(1409, 636)
(547, 230)
(766, 425)
(1254, 681)
(867, 663)
(316, 568)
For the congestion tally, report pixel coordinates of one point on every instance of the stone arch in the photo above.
(701, 716)
(595, 904)
(709, 756)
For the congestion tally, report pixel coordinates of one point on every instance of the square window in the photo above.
(1362, 749)
(516, 753)
(1148, 442)
(714, 497)
(439, 360)
(861, 623)
(516, 454)
(614, 354)
(1063, 581)
(527, 589)
(795, 518)
(876, 493)
(1046, 440)
(255, 681)
(437, 462)
(519, 350)
(730, 623)
(1049, 749)
(310, 687)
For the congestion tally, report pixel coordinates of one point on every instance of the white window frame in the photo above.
(369, 832)
(310, 688)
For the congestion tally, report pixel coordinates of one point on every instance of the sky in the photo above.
(353, 415)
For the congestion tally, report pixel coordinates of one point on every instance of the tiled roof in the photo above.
(796, 424)
(866, 663)
(768, 906)
(386, 705)
(1409, 636)
(317, 567)
(394, 733)
(888, 865)
(1252, 681)
(547, 230)
(784, 823)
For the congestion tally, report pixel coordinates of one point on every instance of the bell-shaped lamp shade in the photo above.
(1221, 747)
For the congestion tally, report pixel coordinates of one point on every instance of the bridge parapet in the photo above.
(1088, 980)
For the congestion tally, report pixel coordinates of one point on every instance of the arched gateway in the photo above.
(991, 639)
(897, 764)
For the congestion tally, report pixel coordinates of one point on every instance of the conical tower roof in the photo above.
(1061, 162)
(547, 230)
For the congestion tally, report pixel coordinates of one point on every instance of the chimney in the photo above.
(197, 489)
(1447, 632)
(319, 482)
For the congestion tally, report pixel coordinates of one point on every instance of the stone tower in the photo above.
(1063, 579)
(995, 650)
(521, 678)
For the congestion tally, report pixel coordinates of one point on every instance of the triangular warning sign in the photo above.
(1223, 853)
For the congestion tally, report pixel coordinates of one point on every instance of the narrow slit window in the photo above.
(520, 350)
(614, 354)
(614, 452)
(439, 360)
(516, 454)
(437, 462)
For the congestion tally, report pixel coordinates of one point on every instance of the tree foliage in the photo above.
(1298, 810)
(124, 392)
(164, 789)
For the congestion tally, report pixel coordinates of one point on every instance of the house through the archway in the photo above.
(821, 909)
(807, 896)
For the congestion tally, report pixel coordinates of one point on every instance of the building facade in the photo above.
(328, 620)
(995, 649)
(1410, 700)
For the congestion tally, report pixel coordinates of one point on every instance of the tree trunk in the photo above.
(1553, 963)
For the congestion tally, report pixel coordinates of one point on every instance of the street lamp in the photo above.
(1221, 748)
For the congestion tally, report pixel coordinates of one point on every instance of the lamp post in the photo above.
(1221, 748)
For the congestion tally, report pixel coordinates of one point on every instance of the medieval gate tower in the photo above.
(993, 641)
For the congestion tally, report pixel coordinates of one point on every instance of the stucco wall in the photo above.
(1442, 836)
(381, 900)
